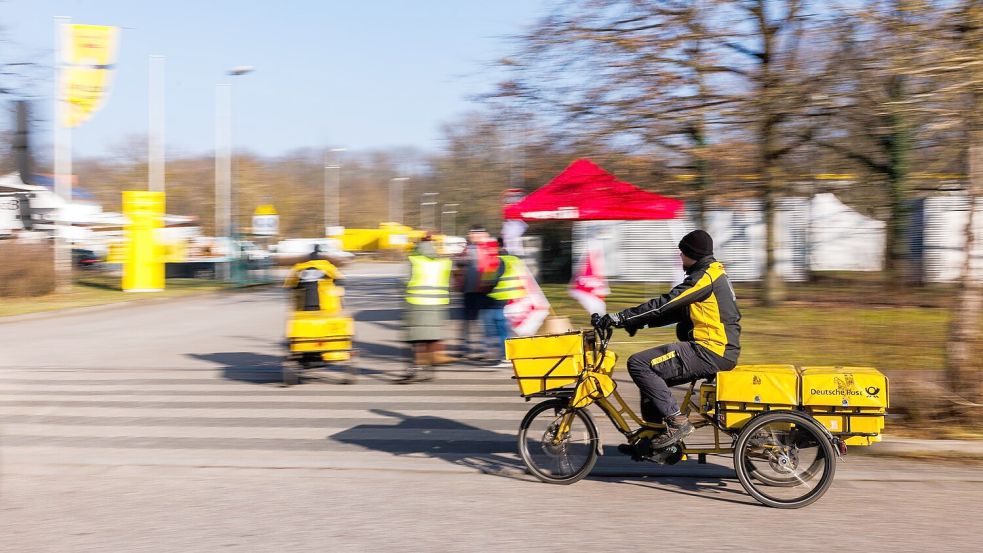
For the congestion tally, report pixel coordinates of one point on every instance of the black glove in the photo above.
(604, 323)
(631, 330)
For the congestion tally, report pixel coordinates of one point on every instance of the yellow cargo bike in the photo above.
(784, 426)
(318, 334)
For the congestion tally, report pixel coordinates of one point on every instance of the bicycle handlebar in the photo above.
(603, 337)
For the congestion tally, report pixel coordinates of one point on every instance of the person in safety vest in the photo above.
(508, 286)
(704, 309)
(318, 284)
(428, 298)
(476, 269)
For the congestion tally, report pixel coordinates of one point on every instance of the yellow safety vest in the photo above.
(509, 285)
(430, 281)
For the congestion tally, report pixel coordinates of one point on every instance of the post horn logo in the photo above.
(872, 390)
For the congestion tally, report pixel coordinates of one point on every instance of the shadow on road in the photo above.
(713, 487)
(245, 366)
(385, 352)
(482, 450)
(495, 454)
(378, 315)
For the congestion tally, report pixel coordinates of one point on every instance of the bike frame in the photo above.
(616, 409)
(619, 413)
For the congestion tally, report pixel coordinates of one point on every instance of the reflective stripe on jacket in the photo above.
(509, 286)
(430, 281)
(703, 307)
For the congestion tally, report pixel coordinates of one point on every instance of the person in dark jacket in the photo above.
(704, 309)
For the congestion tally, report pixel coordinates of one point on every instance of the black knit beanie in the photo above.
(696, 245)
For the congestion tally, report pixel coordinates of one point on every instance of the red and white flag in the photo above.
(589, 286)
(526, 314)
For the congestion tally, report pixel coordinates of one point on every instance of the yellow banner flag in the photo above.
(88, 56)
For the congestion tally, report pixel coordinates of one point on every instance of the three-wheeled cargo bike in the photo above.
(784, 426)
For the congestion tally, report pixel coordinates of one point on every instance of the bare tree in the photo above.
(678, 76)
(871, 85)
(963, 26)
(636, 76)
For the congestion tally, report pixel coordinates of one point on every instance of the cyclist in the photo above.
(704, 309)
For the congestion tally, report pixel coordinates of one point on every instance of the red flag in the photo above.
(589, 286)
(526, 314)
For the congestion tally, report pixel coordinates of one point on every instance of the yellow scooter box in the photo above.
(314, 324)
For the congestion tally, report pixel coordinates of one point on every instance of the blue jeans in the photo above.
(496, 329)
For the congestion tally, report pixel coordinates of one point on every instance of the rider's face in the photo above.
(687, 262)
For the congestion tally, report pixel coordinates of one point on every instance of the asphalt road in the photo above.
(162, 428)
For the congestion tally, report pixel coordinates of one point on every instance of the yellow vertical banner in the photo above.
(143, 269)
(88, 57)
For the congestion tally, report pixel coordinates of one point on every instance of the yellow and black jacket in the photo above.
(703, 307)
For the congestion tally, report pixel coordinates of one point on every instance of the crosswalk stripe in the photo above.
(266, 391)
(374, 413)
(377, 432)
(8, 421)
(247, 400)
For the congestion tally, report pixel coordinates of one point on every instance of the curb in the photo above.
(914, 448)
(71, 311)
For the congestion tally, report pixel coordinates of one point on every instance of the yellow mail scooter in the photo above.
(318, 333)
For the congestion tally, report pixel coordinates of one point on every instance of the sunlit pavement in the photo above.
(163, 428)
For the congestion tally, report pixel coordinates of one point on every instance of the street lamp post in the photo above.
(396, 199)
(155, 98)
(224, 219)
(332, 193)
(428, 210)
(449, 215)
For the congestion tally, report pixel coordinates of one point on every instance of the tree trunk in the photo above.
(702, 182)
(773, 291)
(962, 371)
(899, 146)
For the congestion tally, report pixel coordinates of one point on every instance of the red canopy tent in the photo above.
(585, 192)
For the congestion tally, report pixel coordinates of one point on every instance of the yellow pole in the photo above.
(143, 270)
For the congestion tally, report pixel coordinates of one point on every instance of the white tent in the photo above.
(841, 239)
(818, 234)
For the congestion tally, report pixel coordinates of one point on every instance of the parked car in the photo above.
(84, 258)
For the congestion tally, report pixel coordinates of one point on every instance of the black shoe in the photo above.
(638, 451)
(677, 428)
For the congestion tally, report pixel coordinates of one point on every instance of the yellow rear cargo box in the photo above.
(546, 362)
(862, 387)
(749, 389)
(847, 400)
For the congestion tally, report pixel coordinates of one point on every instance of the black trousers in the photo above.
(655, 370)
(473, 303)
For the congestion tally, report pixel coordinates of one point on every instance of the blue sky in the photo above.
(359, 74)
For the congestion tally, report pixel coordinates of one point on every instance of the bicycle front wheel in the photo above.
(558, 445)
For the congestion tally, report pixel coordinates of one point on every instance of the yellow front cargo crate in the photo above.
(544, 363)
(847, 400)
(746, 390)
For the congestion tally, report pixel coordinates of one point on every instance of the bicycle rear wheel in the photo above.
(784, 460)
(555, 454)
